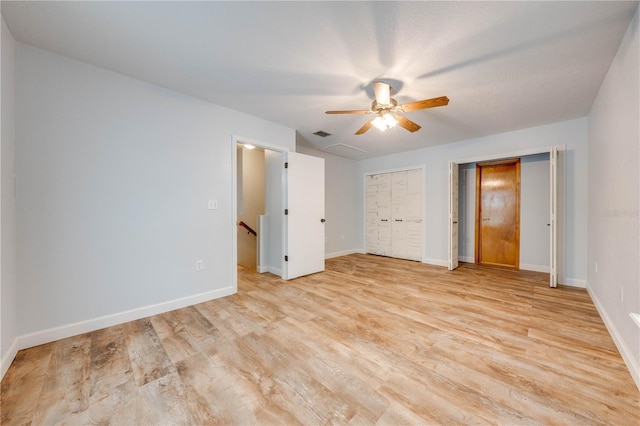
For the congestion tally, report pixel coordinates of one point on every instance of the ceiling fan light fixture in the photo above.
(384, 121)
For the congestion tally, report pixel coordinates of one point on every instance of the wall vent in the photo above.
(322, 133)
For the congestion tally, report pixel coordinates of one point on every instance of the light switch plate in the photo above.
(213, 205)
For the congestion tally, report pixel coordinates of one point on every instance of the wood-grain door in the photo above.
(498, 213)
(413, 214)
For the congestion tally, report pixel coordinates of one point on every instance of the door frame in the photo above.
(235, 140)
(556, 239)
(364, 202)
(478, 227)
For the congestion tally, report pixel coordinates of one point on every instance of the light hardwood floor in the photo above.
(372, 340)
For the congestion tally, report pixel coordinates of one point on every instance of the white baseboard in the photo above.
(535, 268)
(274, 271)
(436, 262)
(6, 361)
(262, 269)
(343, 253)
(62, 332)
(572, 282)
(525, 266)
(634, 369)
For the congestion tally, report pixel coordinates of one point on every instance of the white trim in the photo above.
(6, 361)
(625, 352)
(62, 332)
(535, 268)
(635, 317)
(262, 269)
(466, 259)
(572, 282)
(501, 156)
(343, 253)
(260, 144)
(274, 271)
(436, 262)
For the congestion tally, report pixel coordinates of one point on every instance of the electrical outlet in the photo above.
(212, 205)
(199, 265)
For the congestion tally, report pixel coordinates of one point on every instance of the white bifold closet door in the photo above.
(394, 214)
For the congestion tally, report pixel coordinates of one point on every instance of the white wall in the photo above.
(534, 212)
(8, 281)
(466, 211)
(614, 185)
(341, 212)
(573, 133)
(114, 175)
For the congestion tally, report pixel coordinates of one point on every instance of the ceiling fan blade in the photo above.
(383, 92)
(364, 128)
(352, 111)
(407, 124)
(424, 104)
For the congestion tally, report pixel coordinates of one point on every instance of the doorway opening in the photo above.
(257, 205)
(541, 210)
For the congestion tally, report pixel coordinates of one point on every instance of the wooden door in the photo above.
(498, 213)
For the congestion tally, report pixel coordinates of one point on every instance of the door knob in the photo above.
(322, 220)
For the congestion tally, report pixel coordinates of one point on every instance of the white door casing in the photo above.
(553, 217)
(304, 217)
(413, 214)
(453, 215)
(398, 215)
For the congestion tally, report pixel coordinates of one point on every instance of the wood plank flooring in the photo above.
(372, 340)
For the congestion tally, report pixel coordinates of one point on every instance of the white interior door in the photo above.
(398, 210)
(383, 200)
(304, 215)
(413, 214)
(553, 217)
(453, 215)
(372, 214)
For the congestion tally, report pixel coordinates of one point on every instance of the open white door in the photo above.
(553, 217)
(304, 215)
(453, 215)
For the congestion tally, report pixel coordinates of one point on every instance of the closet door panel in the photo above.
(384, 237)
(414, 240)
(398, 194)
(413, 197)
(399, 247)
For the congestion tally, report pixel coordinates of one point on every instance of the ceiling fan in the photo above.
(388, 111)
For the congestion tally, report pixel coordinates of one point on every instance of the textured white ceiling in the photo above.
(504, 65)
